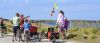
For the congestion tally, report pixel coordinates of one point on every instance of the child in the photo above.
(26, 27)
(66, 23)
(22, 21)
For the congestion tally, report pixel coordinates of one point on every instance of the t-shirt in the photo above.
(1, 22)
(66, 23)
(21, 20)
(15, 21)
(60, 20)
(26, 26)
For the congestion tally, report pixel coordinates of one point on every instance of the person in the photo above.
(15, 20)
(2, 26)
(66, 23)
(22, 21)
(60, 23)
(26, 27)
(21, 25)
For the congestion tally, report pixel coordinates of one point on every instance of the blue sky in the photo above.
(40, 9)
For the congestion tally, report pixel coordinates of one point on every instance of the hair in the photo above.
(22, 15)
(61, 12)
(26, 20)
(17, 14)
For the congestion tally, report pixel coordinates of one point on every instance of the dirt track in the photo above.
(8, 39)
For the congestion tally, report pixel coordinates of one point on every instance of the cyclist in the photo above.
(15, 20)
(21, 25)
(2, 26)
(26, 28)
(22, 22)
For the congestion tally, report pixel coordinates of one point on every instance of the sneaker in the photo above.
(22, 40)
(2, 35)
(12, 40)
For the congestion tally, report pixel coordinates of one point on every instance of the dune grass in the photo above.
(90, 35)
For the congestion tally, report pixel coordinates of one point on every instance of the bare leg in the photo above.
(2, 32)
(5, 31)
(13, 36)
(24, 35)
(20, 37)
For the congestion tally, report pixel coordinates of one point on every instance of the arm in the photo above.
(11, 20)
(26, 17)
(29, 25)
(58, 19)
(68, 23)
(0, 21)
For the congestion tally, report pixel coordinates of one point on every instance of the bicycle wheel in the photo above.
(53, 39)
(39, 37)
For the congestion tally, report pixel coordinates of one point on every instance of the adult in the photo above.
(2, 26)
(60, 23)
(15, 20)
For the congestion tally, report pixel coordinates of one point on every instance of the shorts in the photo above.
(61, 29)
(26, 29)
(21, 30)
(21, 26)
(66, 28)
(15, 28)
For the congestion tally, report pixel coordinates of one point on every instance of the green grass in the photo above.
(90, 34)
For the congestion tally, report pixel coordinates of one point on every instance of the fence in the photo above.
(84, 24)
